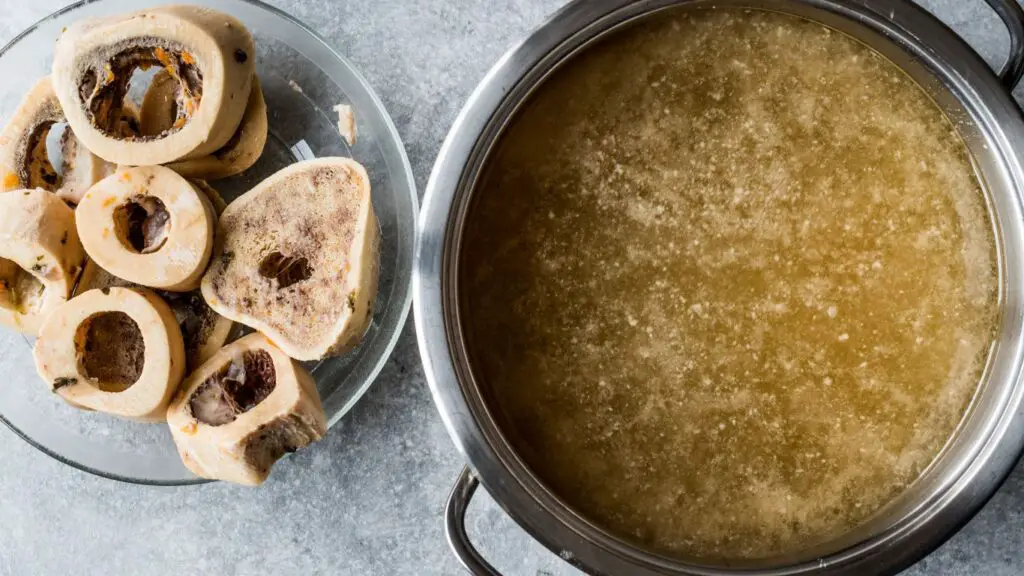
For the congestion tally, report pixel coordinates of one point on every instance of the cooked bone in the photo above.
(148, 225)
(24, 155)
(40, 257)
(115, 350)
(296, 258)
(244, 409)
(208, 53)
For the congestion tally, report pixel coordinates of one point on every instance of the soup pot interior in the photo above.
(989, 438)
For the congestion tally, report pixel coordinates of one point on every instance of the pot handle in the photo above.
(1012, 16)
(455, 526)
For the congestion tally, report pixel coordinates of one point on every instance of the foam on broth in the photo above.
(730, 282)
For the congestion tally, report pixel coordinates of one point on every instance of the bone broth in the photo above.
(729, 282)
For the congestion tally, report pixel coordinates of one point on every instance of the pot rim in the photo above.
(992, 447)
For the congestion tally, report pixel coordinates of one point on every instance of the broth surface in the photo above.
(729, 281)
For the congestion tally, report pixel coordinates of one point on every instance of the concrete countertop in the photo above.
(369, 499)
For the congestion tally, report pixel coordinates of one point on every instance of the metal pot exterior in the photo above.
(990, 438)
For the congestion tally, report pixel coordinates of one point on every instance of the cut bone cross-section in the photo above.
(115, 350)
(297, 258)
(160, 109)
(244, 409)
(40, 257)
(25, 155)
(198, 48)
(149, 226)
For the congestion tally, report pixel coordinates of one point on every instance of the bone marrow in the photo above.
(245, 408)
(234, 389)
(40, 257)
(112, 350)
(25, 155)
(148, 225)
(103, 95)
(115, 350)
(143, 222)
(293, 248)
(94, 62)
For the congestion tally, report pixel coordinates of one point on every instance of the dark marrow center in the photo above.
(142, 224)
(287, 270)
(111, 351)
(20, 291)
(37, 170)
(234, 389)
(274, 439)
(103, 87)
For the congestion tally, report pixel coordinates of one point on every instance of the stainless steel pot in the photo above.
(988, 441)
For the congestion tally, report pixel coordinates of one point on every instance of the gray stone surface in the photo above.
(369, 499)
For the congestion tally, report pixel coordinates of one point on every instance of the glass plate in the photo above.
(303, 79)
